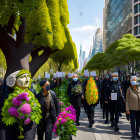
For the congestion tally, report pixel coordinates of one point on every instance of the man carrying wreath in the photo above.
(75, 93)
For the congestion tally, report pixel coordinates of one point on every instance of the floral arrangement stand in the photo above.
(91, 92)
(64, 126)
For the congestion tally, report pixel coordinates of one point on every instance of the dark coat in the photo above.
(74, 99)
(0, 89)
(125, 86)
(54, 107)
(115, 106)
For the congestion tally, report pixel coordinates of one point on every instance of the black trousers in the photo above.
(12, 132)
(114, 117)
(45, 126)
(106, 111)
(77, 113)
(90, 113)
(135, 121)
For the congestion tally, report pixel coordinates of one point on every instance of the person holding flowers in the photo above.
(50, 110)
(90, 98)
(75, 92)
(20, 110)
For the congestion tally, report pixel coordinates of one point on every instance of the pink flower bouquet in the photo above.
(64, 126)
(21, 108)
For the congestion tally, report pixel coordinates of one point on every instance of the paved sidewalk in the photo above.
(101, 131)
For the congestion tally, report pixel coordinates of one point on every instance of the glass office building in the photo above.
(136, 17)
(121, 17)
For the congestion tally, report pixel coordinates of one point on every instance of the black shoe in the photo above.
(116, 128)
(106, 122)
(120, 114)
(112, 125)
(77, 124)
(137, 136)
(90, 125)
(133, 137)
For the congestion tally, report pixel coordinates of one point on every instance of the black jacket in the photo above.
(125, 86)
(115, 106)
(54, 107)
(75, 100)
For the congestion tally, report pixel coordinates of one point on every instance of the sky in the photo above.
(85, 17)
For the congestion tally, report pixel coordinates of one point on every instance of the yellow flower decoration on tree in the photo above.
(91, 92)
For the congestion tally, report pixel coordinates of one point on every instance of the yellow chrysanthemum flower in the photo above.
(91, 92)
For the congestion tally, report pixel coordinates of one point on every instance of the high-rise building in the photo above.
(97, 42)
(97, 46)
(120, 17)
(82, 56)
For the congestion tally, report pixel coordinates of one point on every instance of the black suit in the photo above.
(75, 99)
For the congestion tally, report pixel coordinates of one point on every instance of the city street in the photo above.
(101, 131)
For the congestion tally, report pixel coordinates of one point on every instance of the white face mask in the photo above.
(75, 79)
(134, 83)
(23, 80)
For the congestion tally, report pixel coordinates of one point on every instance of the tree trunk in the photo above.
(17, 58)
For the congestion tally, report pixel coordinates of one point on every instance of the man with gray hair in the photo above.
(113, 98)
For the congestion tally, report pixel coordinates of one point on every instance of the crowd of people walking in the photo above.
(115, 97)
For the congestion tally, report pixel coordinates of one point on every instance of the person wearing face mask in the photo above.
(113, 99)
(133, 107)
(50, 110)
(75, 99)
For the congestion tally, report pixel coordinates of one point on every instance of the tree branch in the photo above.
(21, 31)
(38, 61)
(10, 24)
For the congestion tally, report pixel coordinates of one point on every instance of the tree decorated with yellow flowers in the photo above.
(91, 92)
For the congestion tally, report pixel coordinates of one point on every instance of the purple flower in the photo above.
(16, 102)
(13, 112)
(63, 120)
(61, 103)
(23, 96)
(27, 121)
(26, 109)
(70, 109)
(22, 117)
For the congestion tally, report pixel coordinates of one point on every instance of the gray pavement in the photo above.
(101, 131)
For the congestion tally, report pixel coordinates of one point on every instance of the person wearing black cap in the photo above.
(50, 110)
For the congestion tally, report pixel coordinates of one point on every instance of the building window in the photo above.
(136, 31)
(135, 1)
(139, 7)
(135, 20)
(139, 19)
(136, 9)
(139, 29)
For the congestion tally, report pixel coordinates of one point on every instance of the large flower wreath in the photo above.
(91, 92)
(21, 107)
